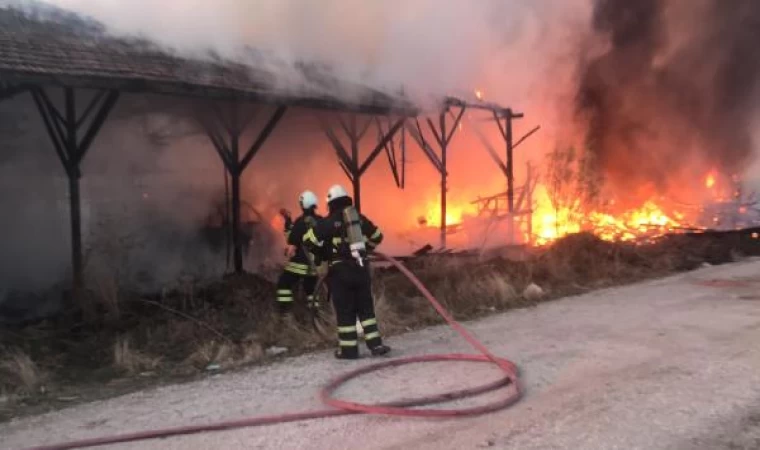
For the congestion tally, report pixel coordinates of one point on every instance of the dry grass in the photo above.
(232, 322)
(131, 361)
(19, 373)
(211, 352)
(251, 350)
(466, 289)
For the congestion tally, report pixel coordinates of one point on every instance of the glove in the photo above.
(290, 251)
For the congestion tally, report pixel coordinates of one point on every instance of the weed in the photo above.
(18, 372)
(131, 361)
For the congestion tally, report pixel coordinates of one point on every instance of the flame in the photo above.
(650, 220)
(549, 224)
(710, 180)
(455, 213)
(647, 220)
(479, 94)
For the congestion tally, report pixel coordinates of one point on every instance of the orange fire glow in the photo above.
(710, 180)
(455, 213)
(548, 224)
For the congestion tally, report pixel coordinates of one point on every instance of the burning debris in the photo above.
(557, 210)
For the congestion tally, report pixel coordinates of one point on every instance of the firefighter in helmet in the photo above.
(301, 265)
(344, 238)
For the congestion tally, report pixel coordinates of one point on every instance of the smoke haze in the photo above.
(673, 93)
(427, 47)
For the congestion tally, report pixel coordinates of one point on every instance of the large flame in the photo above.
(648, 220)
(549, 223)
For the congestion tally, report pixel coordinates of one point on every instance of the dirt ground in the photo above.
(671, 363)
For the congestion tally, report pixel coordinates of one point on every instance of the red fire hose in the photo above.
(343, 407)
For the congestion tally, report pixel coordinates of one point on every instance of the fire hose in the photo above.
(344, 407)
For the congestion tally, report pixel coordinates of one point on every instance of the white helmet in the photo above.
(336, 191)
(307, 199)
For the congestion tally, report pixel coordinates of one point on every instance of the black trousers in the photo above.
(288, 283)
(351, 290)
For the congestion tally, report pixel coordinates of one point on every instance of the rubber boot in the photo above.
(347, 353)
(380, 350)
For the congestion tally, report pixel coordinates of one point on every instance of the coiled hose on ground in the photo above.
(343, 407)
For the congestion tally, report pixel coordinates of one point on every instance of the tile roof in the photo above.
(50, 46)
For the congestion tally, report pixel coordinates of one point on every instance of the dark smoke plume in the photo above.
(674, 92)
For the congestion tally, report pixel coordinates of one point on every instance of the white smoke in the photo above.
(427, 47)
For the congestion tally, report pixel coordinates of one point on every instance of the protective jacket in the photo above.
(329, 239)
(295, 231)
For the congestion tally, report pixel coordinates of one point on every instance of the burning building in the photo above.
(642, 150)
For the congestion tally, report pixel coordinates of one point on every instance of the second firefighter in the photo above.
(301, 267)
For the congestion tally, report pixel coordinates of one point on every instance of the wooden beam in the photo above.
(434, 131)
(503, 132)
(379, 147)
(364, 130)
(219, 144)
(90, 107)
(55, 137)
(55, 118)
(97, 123)
(527, 135)
(418, 136)
(263, 136)
(390, 152)
(456, 124)
(343, 155)
(489, 148)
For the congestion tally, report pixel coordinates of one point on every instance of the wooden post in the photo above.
(529, 187)
(63, 129)
(444, 175)
(443, 137)
(228, 150)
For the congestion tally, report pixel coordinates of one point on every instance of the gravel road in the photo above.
(667, 364)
